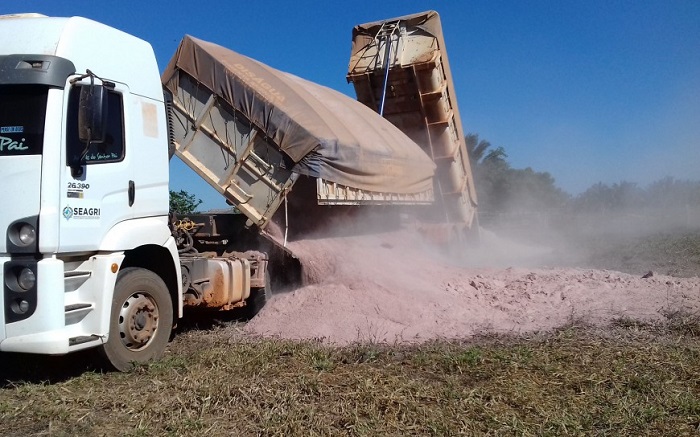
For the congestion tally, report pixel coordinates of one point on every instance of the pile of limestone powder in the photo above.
(394, 288)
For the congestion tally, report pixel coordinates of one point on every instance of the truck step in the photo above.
(73, 341)
(78, 306)
(74, 313)
(74, 279)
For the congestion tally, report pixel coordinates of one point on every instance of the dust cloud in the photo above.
(393, 286)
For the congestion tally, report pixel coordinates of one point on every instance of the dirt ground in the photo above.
(393, 287)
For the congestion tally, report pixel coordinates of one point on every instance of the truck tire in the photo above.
(141, 319)
(258, 298)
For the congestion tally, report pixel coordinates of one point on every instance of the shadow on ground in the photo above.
(17, 369)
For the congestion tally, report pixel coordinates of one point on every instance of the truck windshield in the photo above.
(22, 114)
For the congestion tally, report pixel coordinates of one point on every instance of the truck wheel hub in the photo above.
(138, 321)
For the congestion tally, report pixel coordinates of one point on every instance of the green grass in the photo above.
(628, 380)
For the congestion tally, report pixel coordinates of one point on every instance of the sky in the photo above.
(589, 91)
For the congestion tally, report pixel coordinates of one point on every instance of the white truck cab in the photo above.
(87, 258)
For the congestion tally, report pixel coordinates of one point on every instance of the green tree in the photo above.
(623, 196)
(182, 202)
(475, 148)
(477, 151)
(503, 189)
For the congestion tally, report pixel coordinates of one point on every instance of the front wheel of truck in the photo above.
(141, 319)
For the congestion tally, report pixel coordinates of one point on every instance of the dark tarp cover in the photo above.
(326, 133)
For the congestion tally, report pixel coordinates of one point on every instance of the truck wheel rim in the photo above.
(138, 321)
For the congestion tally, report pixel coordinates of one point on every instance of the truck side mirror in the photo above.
(92, 123)
(92, 114)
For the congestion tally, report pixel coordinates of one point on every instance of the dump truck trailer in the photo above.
(400, 69)
(250, 130)
(91, 256)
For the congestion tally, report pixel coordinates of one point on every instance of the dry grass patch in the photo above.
(665, 252)
(633, 380)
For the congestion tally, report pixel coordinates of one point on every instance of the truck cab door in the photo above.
(96, 182)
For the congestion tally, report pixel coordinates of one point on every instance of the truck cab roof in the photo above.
(108, 52)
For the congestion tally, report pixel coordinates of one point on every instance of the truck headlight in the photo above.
(20, 278)
(20, 287)
(26, 234)
(23, 235)
(26, 279)
(19, 306)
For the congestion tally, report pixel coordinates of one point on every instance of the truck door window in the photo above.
(22, 114)
(110, 150)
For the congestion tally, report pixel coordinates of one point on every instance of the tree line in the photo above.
(502, 189)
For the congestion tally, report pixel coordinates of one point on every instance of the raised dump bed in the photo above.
(250, 131)
(399, 68)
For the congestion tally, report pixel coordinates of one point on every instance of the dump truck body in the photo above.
(250, 131)
(399, 68)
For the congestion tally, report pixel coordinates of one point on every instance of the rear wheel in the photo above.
(141, 319)
(258, 298)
